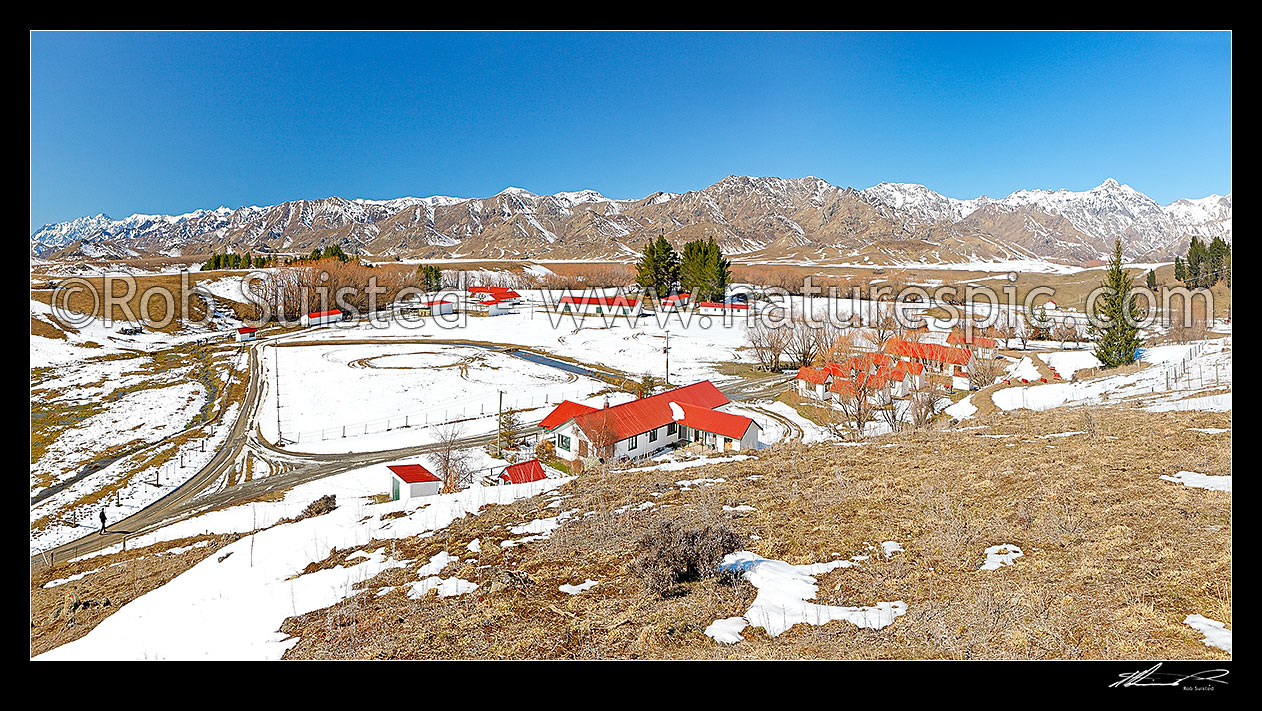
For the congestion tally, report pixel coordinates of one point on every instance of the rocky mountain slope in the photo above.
(801, 219)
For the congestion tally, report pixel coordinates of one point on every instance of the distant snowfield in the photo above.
(230, 605)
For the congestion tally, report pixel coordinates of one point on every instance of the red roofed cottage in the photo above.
(642, 427)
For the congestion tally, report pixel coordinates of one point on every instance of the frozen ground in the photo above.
(1174, 373)
(243, 594)
(365, 397)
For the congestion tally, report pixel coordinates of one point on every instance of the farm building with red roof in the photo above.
(600, 305)
(247, 333)
(642, 427)
(408, 481)
(319, 318)
(523, 472)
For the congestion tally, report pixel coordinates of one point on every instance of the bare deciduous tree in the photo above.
(453, 460)
(921, 406)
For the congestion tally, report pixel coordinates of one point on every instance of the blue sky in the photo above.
(168, 123)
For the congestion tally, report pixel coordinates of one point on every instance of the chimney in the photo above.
(606, 402)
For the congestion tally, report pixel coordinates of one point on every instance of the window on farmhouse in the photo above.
(653, 435)
(631, 444)
(670, 429)
(563, 442)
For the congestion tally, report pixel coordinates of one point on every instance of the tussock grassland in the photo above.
(113, 581)
(1115, 557)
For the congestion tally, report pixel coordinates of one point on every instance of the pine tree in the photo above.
(1152, 280)
(659, 267)
(704, 272)
(1180, 269)
(1118, 314)
(431, 277)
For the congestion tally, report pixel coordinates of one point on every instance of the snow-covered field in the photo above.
(242, 595)
(1174, 373)
(344, 398)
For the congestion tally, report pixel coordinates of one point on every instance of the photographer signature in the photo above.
(1152, 677)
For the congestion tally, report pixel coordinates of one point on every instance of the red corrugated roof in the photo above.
(720, 423)
(929, 351)
(247, 329)
(435, 303)
(321, 314)
(717, 305)
(524, 472)
(676, 297)
(598, 300)
(817, 376)
(412, 473)
(639, 416)
(488, 289)
(563, 413)
(972, 339)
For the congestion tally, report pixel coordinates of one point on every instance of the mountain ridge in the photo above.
(760, 217)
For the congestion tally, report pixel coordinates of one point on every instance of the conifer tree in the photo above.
(1117, 313)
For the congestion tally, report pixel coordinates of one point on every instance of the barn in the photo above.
(409, 481)
(247, 333)
(320, 318)
(722, 308)
(600, 305)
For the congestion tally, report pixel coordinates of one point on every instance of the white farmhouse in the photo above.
(643, 427)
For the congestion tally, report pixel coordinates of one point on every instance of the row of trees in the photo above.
(701, 270)
(228, 260)
(1205, 265)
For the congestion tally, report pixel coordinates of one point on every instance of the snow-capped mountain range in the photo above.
(806, 219)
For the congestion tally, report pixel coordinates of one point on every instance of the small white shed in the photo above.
(408, 481)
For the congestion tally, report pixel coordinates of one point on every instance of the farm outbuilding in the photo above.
(600, 305)
(523, 472)
(320, 318)
(722, 308)
(436, 308)
(409, 481)
(247, 333)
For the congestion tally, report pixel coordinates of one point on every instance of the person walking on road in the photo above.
(102, 522)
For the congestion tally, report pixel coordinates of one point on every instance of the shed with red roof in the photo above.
(408, 481)
(523, 472)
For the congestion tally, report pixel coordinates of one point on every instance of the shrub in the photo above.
(671, 554)
(320, 506)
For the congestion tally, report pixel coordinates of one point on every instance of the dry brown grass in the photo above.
(1114, 557)
(119, 579)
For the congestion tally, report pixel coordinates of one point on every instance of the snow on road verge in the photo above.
(783, 592)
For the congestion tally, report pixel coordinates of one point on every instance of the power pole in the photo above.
(666, 350)
(499, 426)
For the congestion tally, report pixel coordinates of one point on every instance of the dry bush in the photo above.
(320, 506)
(671, 554)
